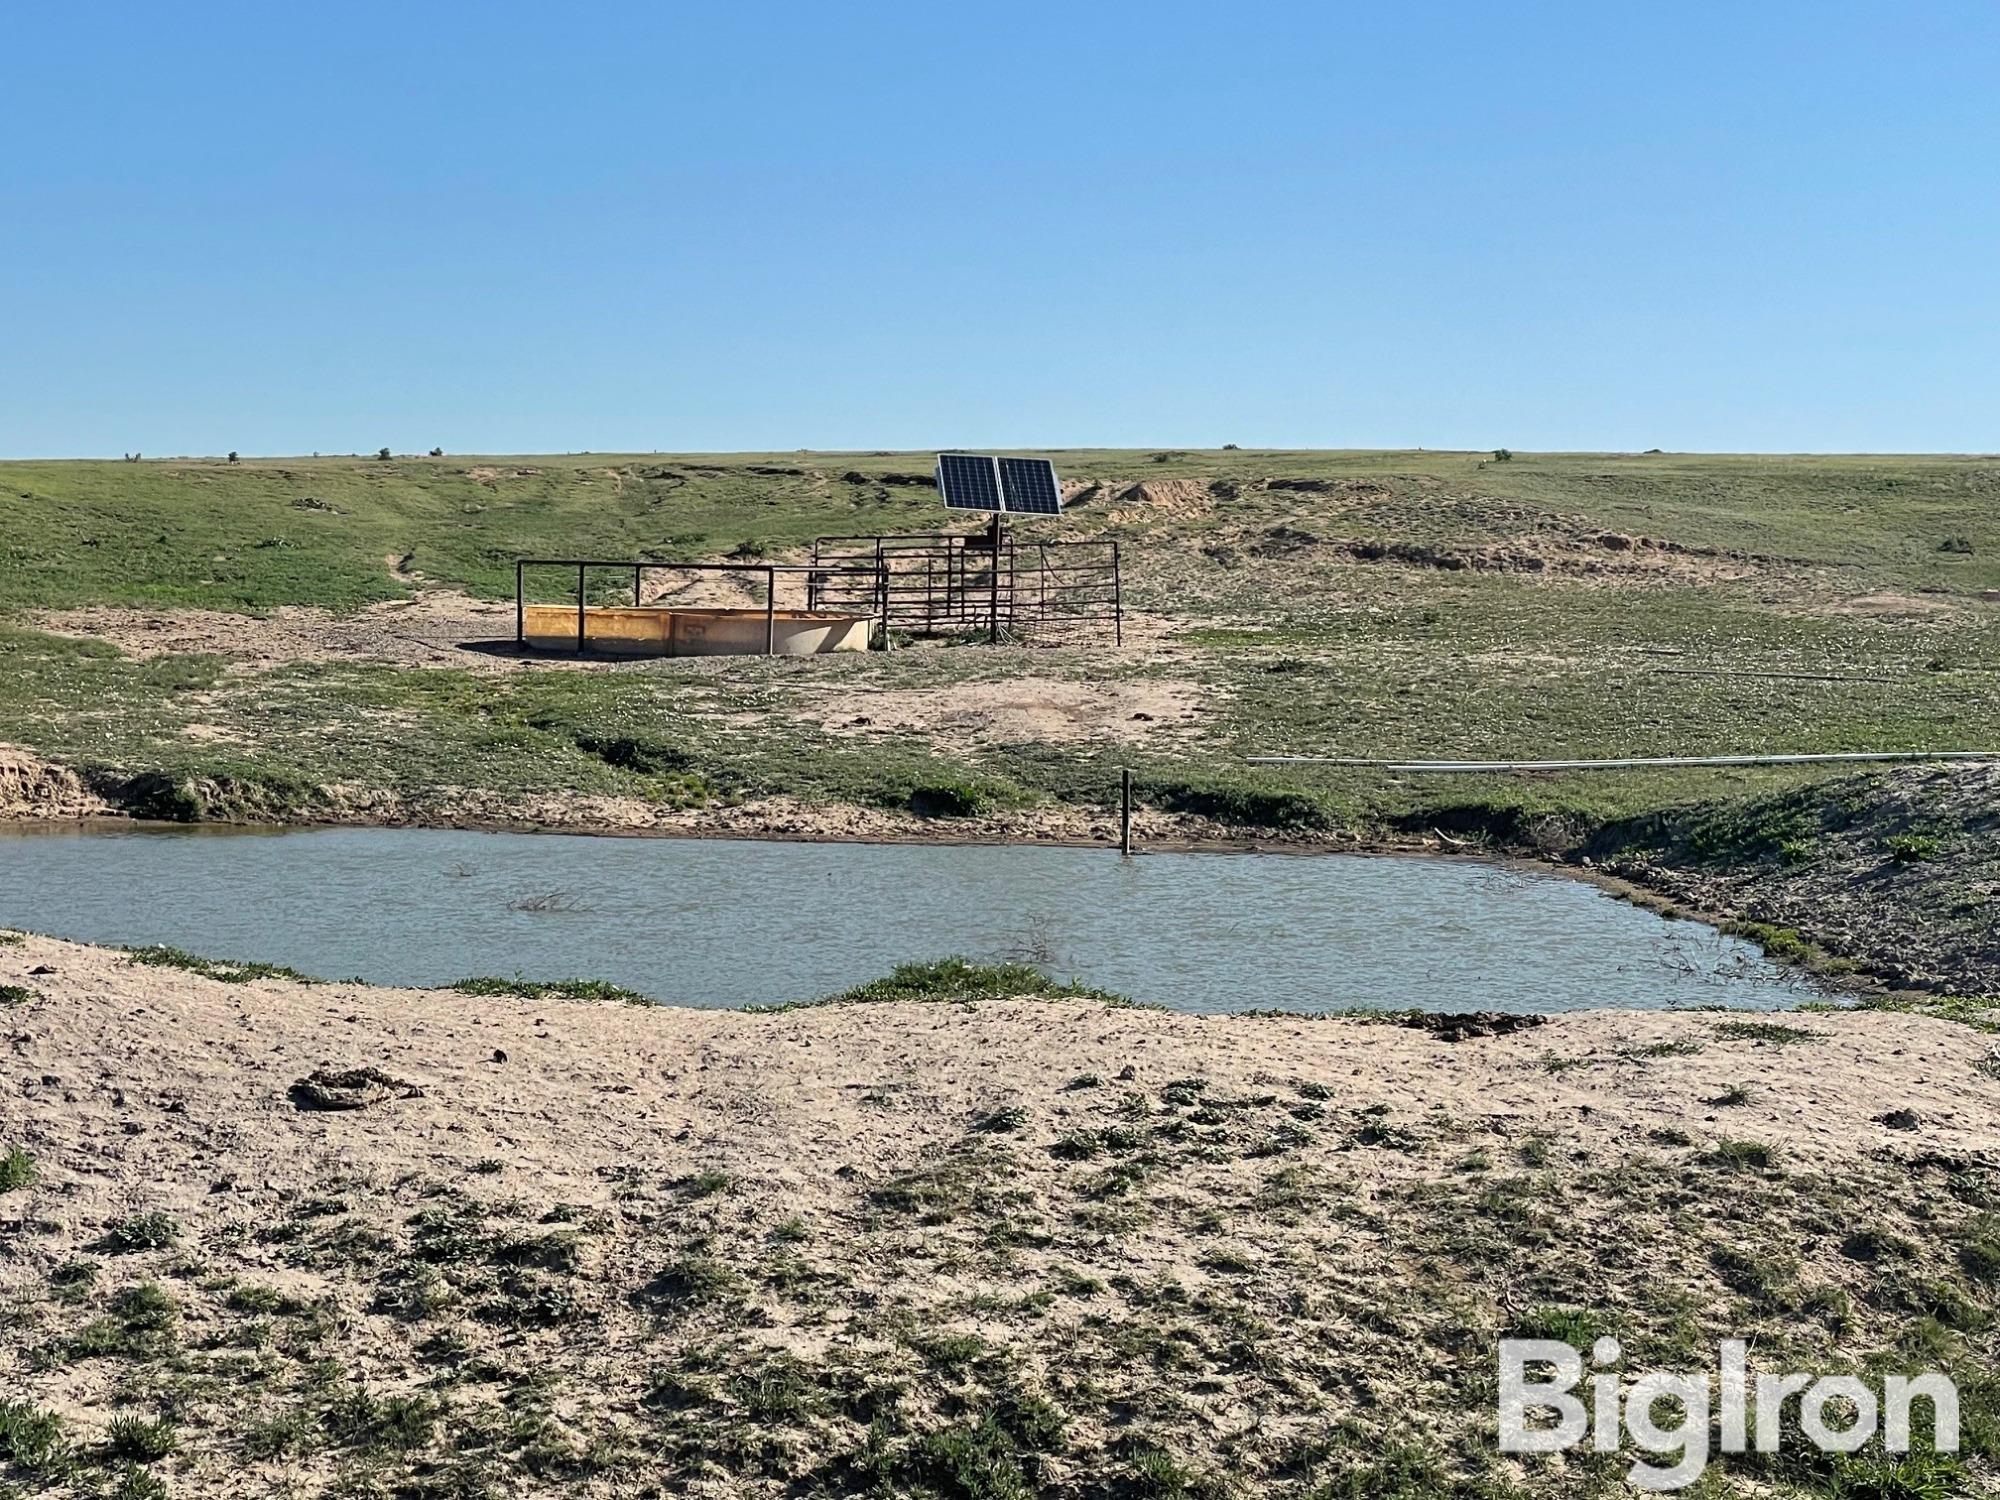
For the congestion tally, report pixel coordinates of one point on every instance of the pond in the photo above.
(731, 922)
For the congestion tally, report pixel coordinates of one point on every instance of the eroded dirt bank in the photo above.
(1021, 1246)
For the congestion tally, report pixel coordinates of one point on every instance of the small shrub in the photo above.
(17, 994)
(147, 1306)
(140, 1440)
(1958, 546)
(949, 799)
(705, 1183)
(148, 1231)
(1001, 1121)
(1503, 455)
(1912, 848)
(136, 1483)
(32, 1439)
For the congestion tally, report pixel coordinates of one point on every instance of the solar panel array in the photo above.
(972, 481)
(1029, 484)
(968, 481)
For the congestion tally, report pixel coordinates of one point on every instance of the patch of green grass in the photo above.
(1685, 1046)
(1912, 848)
(140, 1325)
(1578, 1327)
(228, 971)
(563, 989)
(17, 1170)
(958, 980)
(1744, 1155)
(1781, 943)
(1769, 1033)
(17, 994)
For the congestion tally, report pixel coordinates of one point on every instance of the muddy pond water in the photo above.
(733, 922)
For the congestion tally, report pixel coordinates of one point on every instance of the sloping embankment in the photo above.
(1896, 873)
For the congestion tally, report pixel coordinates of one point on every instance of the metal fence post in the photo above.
(770, 611)
(579, 608)
(1125, 811)
(1117, 599)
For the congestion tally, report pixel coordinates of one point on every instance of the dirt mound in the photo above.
(1608, 555)
(31, 787)
(1155, 499)
(1360, 488)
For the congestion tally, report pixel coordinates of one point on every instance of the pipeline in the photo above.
(1623, 763)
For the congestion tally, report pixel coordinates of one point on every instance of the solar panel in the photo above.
(1029, 484)
(968, 481)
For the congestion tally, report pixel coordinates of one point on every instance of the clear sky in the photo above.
(1755, 225)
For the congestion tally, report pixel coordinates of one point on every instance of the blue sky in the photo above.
(524, 228)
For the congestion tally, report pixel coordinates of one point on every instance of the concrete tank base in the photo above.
(657, 630)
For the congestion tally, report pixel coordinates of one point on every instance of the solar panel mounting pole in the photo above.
(993, 620)
(999, 504)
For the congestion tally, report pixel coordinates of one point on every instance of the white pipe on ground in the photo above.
(1623, 763)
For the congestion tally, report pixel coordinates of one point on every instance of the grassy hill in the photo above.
(276, 531)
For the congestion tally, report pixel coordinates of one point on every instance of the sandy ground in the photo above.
(1018, 710)
(799, 1201)
(145, 1087)
(429, 629)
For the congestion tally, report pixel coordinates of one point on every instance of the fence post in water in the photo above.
(1125, 811)
(579, 609)
(770, 611)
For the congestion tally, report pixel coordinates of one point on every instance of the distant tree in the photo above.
(1503, 455)
(232, 455)
(382, 453)
(437, 453)
(1229, 448)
